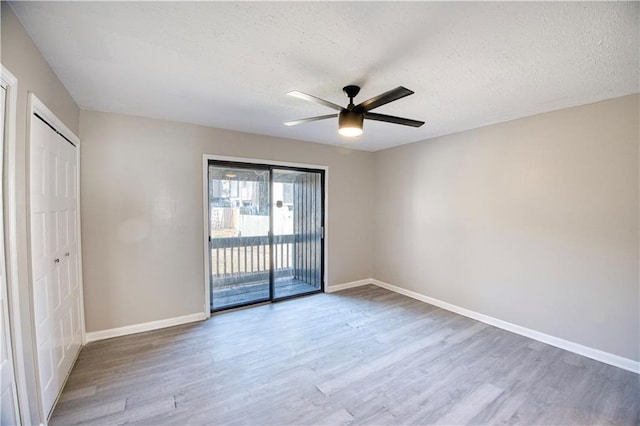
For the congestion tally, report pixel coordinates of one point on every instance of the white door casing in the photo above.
(57, 295)
(9, 413)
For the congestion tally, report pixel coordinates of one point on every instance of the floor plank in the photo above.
(360, 356)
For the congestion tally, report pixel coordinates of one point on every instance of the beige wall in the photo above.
(142, 224)
(534, 222)
(21, 57)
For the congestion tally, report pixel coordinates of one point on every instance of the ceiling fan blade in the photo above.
(310, 98)
(392, 119)
(385, 98)
(307, 120)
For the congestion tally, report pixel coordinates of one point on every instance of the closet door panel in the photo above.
(42, 261)
(54, 248)
(69, 249)
(41, 307)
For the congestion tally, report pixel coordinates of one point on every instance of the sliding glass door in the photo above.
(239, 236)
(265, 233)
(297, 220)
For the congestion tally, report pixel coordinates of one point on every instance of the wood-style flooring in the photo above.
(360, 356)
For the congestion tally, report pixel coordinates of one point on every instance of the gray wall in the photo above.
(142, 224)
(21, 57)
(533, 221)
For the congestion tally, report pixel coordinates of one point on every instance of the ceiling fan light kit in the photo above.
(351, 118)
(350, 123)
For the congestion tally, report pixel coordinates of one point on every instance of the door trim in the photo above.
(205, 211)
(11, 251)
(10, 82)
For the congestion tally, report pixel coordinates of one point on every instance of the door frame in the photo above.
(205, 211)
(11, 244)
(10, 82)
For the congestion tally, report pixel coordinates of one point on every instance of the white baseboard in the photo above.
(147, 326)
(598, 355)
(339, 287)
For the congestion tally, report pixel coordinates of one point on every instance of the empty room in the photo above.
(320, 213)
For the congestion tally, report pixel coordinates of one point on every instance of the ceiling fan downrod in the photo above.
(351, 91)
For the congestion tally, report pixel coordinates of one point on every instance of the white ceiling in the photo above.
(229, 64)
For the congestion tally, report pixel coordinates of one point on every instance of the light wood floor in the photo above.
(361, 356)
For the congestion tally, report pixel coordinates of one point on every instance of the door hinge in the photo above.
(322, 232)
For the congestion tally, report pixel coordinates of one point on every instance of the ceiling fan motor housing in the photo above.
(350, 119)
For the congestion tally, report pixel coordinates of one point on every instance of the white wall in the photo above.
(142, 225)
(533, 221)
(21, 57)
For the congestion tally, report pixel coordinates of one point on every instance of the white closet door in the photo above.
(66, 223)
(8, 395)
(54, 251)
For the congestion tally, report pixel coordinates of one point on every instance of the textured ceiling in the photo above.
(229, 64)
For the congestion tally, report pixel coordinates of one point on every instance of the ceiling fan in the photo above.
(350, 119)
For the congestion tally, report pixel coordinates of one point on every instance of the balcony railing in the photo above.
(246, 259)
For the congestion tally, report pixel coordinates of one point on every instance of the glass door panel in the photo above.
(239, 221)
(297, 214)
